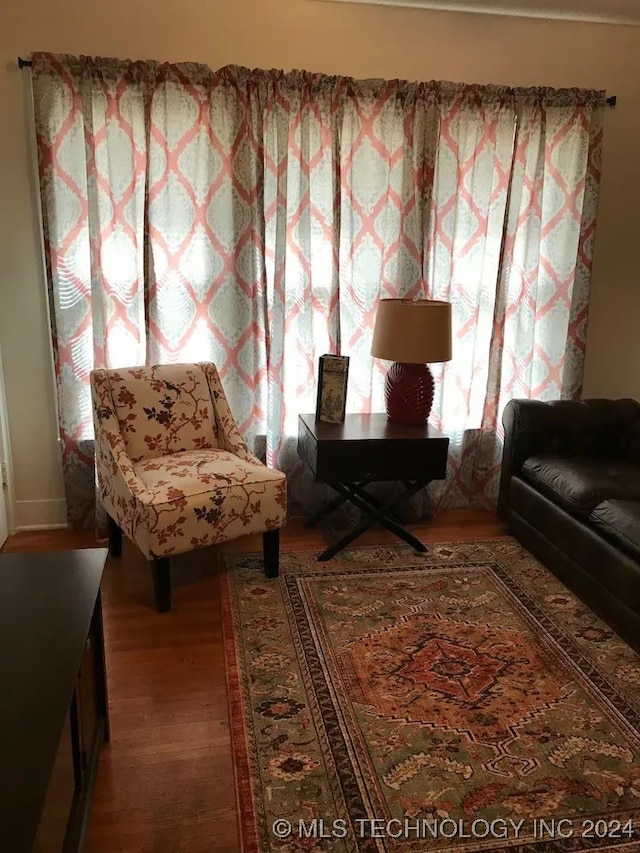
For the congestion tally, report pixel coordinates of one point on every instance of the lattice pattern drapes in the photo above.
(254, 219)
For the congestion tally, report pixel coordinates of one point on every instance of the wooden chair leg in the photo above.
(271, 551)
(161, 583)
(115, 538)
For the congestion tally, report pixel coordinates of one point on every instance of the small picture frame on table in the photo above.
(333, 372)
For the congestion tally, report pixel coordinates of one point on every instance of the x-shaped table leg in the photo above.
(372, 500)
(332, 506)
(385, 513)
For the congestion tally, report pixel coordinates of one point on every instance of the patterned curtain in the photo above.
(465, 227)
(540, 325)
(255, 218)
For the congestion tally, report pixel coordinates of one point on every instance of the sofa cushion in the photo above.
(579, 485)
(619, 522)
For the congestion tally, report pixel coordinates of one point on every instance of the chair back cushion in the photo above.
(163, 409)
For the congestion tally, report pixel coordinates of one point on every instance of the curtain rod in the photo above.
(26, 63)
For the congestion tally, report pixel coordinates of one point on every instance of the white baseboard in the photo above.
(40, 515)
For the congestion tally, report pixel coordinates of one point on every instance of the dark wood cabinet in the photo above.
(53, 710)
(88, 702)
(61, 791)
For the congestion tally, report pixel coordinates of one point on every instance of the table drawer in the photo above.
(360, 461)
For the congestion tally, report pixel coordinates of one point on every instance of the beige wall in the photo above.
(332, 37)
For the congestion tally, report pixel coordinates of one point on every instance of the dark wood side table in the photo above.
(53, 706)
(367, 449)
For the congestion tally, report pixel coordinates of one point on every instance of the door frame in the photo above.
(5, 454)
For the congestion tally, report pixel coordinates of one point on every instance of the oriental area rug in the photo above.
(460, 700)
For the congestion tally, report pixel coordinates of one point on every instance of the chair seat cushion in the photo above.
(579, 485)
(201, 497)
(619, 522)
(197, 472)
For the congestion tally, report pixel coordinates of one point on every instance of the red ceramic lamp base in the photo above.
(409, 393)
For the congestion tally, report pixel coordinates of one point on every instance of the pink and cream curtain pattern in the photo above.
(254, 219)
(531, 318)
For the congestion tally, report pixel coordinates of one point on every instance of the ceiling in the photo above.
(626, 12)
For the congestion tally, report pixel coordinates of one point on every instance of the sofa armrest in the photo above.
(561, 428)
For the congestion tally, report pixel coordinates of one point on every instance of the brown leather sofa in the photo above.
(570, 493)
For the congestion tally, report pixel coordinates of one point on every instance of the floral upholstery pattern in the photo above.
(178, 411)
(173, 470)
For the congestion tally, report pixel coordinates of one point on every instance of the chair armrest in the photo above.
(229, 436)
(561, 428)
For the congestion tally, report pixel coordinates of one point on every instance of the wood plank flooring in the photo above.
(165, 781)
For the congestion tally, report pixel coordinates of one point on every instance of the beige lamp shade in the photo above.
(412, 331)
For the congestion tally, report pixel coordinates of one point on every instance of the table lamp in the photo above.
(411, 332)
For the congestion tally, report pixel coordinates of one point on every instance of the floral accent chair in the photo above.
(173, 470)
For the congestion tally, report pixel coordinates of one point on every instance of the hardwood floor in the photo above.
(165, 781)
